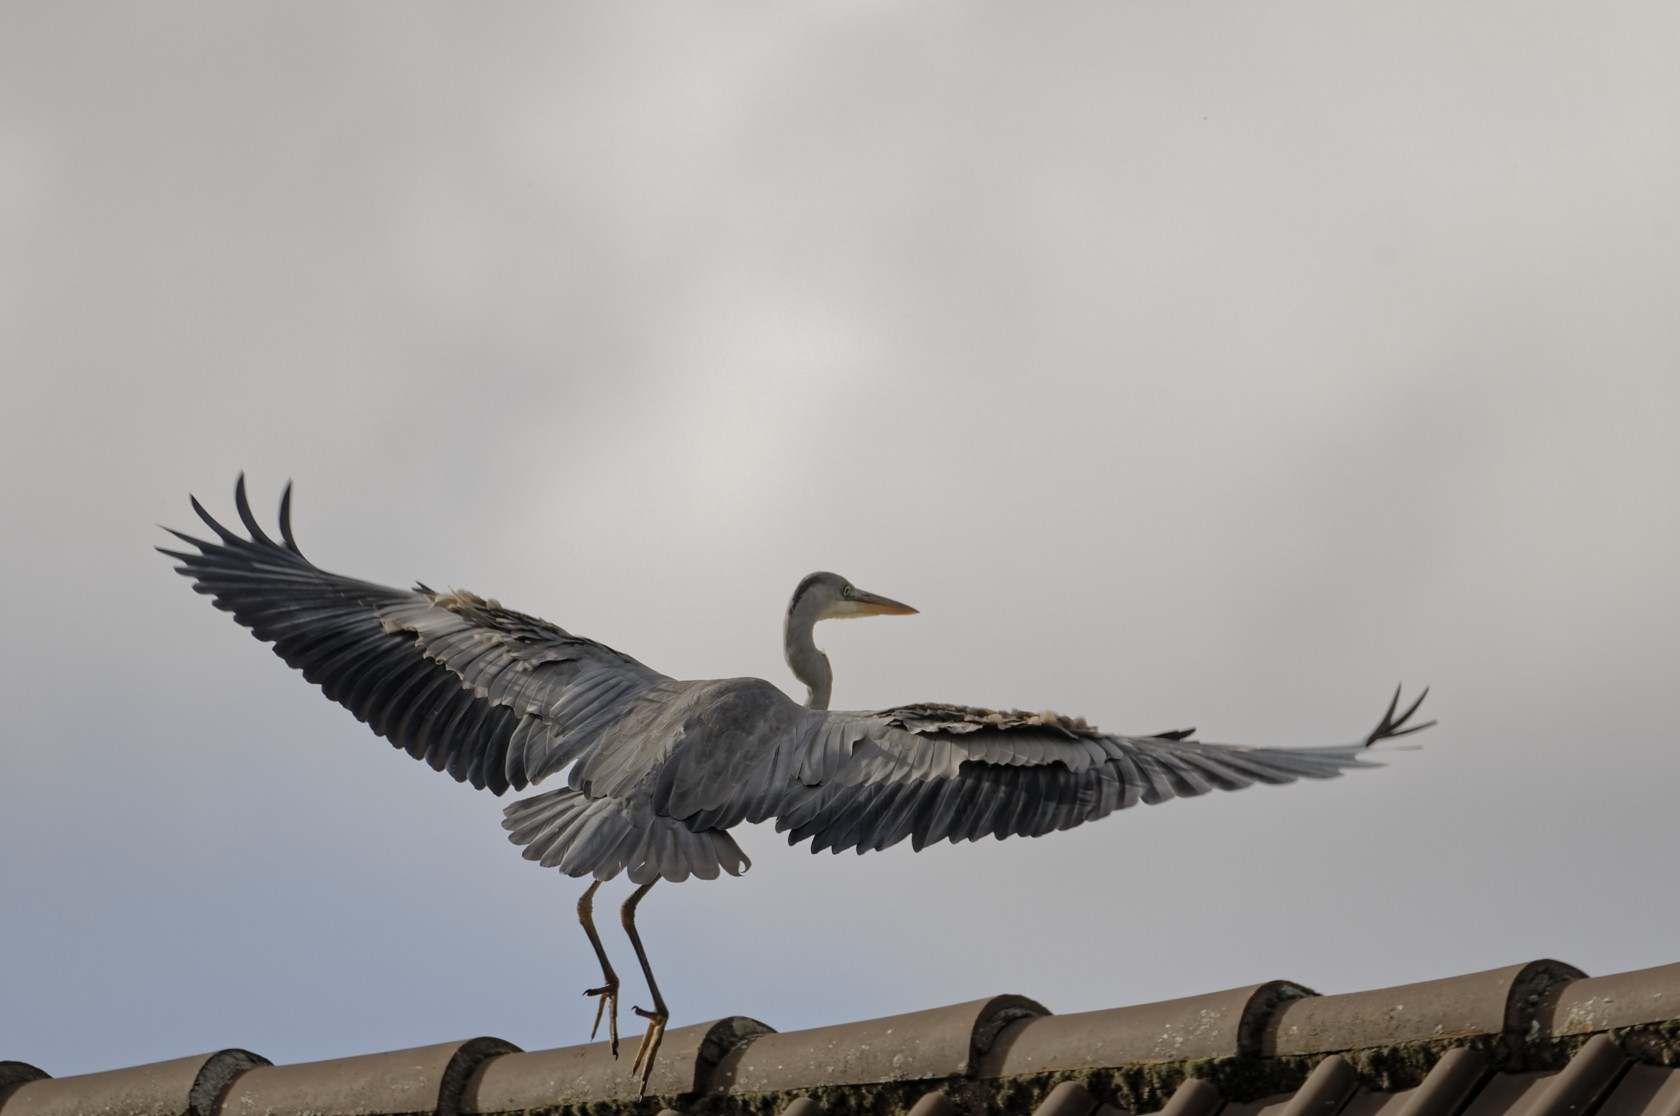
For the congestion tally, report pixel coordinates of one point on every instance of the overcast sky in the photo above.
(1187, 364)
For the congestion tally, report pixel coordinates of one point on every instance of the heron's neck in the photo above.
(809, 665)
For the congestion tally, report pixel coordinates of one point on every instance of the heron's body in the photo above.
(659, 770)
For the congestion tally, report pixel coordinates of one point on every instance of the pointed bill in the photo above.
(865, 603)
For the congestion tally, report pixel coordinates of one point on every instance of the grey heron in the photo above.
(659, 770)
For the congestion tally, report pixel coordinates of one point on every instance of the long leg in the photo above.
(607, 994)
(658, 1016)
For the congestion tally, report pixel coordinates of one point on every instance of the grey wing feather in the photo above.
(951, 773)
(496, 698)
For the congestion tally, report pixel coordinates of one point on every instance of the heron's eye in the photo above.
(847, 591)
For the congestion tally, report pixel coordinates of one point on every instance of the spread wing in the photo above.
(494, 697)
(953, 773)
(500, 699)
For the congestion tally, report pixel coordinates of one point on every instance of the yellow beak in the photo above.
(862, 603)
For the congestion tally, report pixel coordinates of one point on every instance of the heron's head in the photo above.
(828, 596)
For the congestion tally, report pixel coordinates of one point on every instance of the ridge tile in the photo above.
(1583, 1007)
(921, 1045)
(1498, 1001)
(13, 1074)
(583, 1074)
(1211, 1025)
(424, 1079)
(171, 1088)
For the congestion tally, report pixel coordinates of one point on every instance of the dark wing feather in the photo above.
(495, 698)
(952, 773)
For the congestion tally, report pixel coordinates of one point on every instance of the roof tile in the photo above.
(1510, 1094)
(1645, 1091)
(424, 1079)
(1325, 1090)
(803, 1106)
(13, 1074)
(1211, 1025)
(1454, 1078)
(1499, 1001)
(180, 1086)
(1265, 1106)
(1070, 1098)
(923, 1045)
(1599, 1003)
(933, 1104)
(1586, 1078)
(1194, 1097)
(1489, 1044)
(1365, 1102)
(580, 1074)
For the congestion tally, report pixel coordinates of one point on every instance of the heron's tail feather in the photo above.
(583, 836)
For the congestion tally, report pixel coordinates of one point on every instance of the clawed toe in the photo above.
(606, 1003)
(643, 1066)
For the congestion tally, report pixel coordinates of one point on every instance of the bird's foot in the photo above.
(650, 1043)
(606, 1003)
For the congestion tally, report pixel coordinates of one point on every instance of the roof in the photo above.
(1536, 1039)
